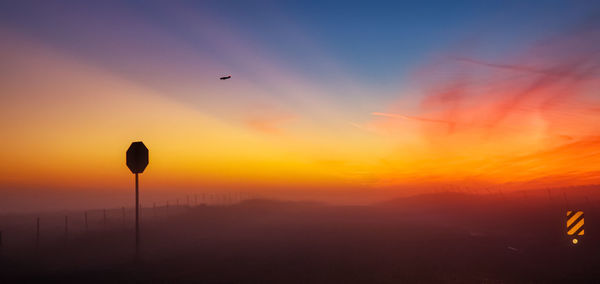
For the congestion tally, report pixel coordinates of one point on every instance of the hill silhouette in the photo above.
(449, 237)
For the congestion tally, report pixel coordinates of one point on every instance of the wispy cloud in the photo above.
(505, 121)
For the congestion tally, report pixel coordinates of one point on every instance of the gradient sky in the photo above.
(326, 98)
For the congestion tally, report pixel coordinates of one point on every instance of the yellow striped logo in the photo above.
(575, 224)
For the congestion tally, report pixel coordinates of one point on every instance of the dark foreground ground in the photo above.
(429, 238)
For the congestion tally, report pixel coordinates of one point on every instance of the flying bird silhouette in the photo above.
(225, 78)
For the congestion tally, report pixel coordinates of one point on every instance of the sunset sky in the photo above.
(325, 98)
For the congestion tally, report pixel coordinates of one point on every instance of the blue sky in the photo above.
(376, 40)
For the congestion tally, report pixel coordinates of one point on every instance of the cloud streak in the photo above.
(504, 122)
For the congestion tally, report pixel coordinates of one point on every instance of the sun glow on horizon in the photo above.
(528, 120)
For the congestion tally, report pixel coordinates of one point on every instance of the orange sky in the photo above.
(529, 121)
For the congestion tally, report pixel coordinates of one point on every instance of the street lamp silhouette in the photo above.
(137, 160)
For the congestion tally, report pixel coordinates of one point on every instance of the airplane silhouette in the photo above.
(225, 78)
